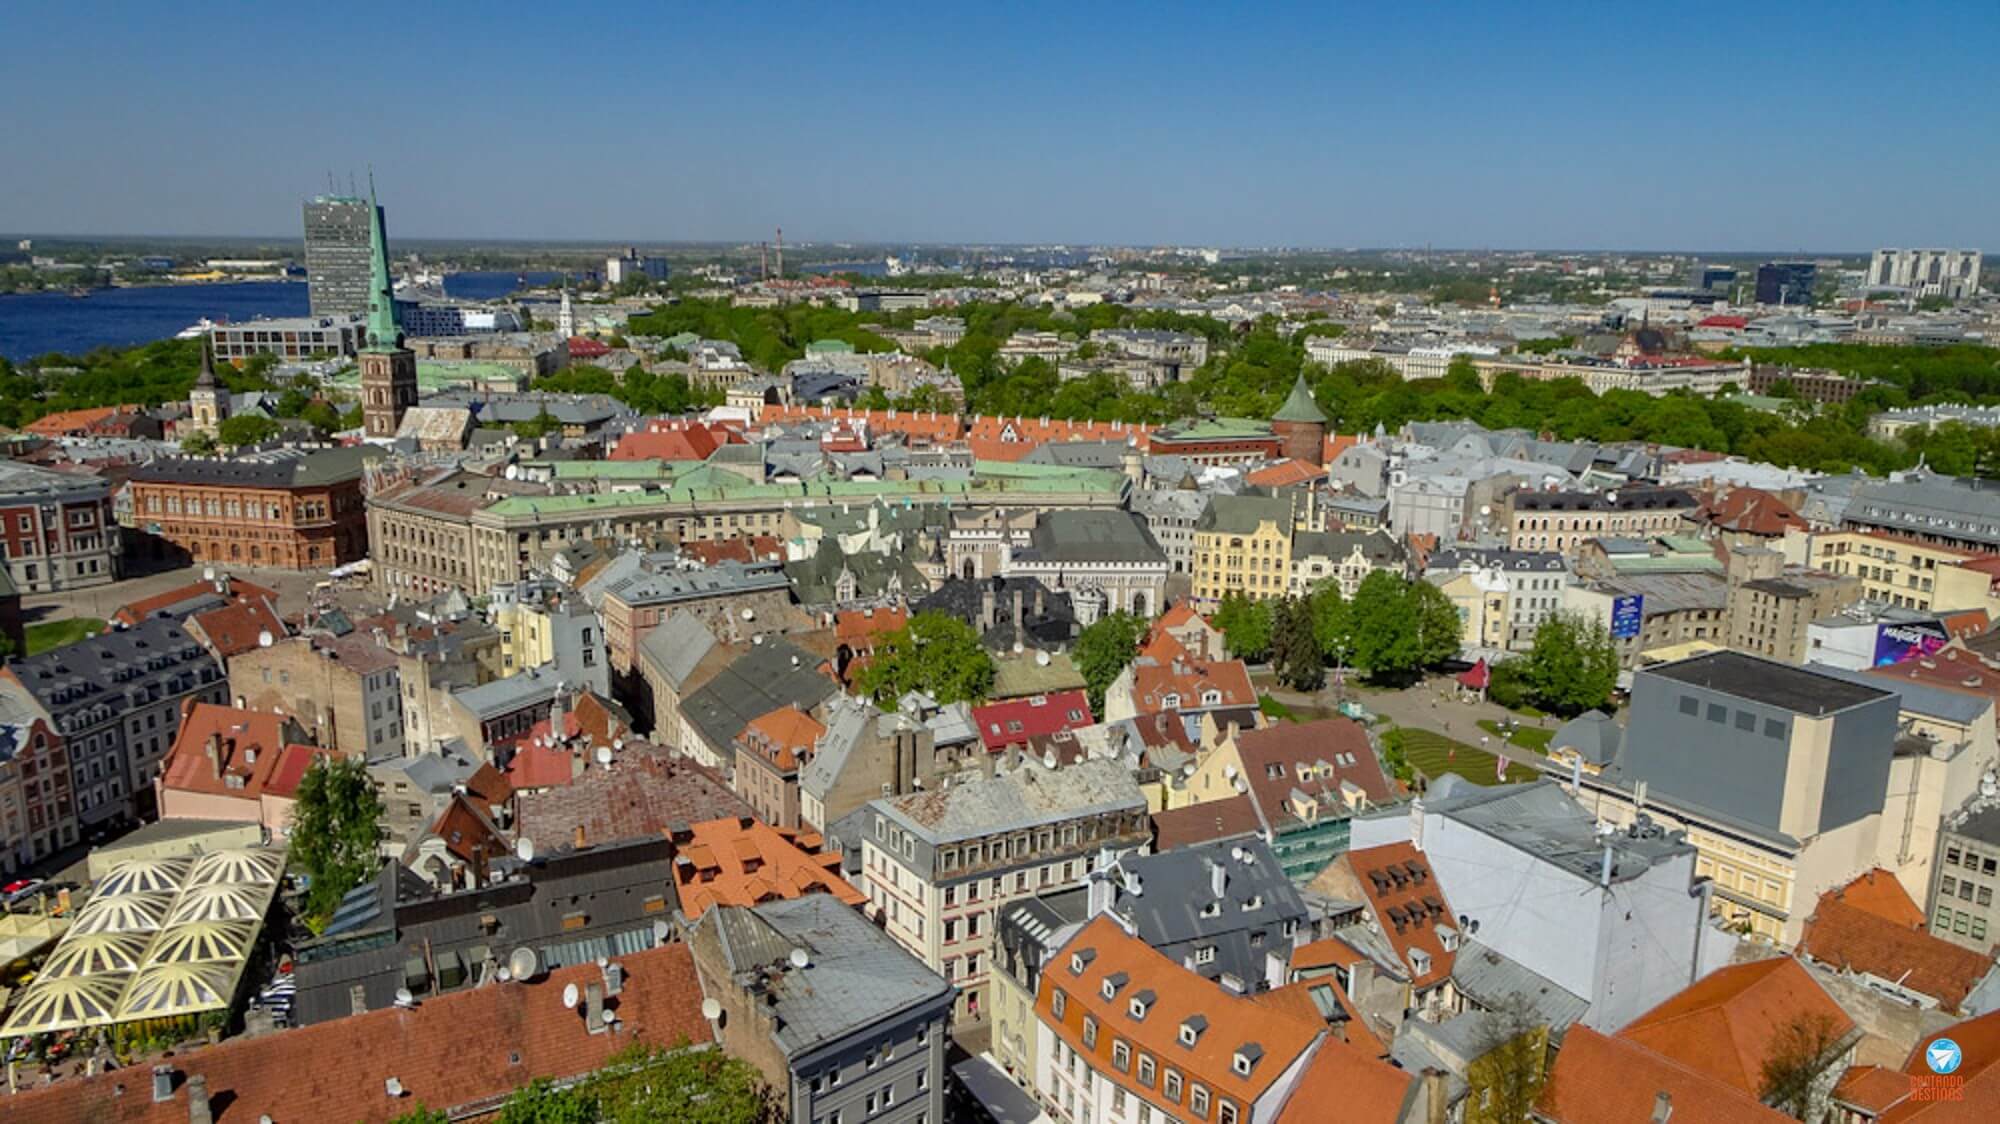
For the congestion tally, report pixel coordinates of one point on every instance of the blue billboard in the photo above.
(1906, 640)
(1627, 614)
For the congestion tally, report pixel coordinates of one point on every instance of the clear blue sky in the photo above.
(1825, 126)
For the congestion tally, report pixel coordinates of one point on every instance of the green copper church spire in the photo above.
(383, 335)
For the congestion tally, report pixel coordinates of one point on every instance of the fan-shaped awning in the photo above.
(123, 913)
(223, 901)
(143, 876)
(244, 864)
(51, 1005)
(165, 990)
(202, 942)
(91, 954)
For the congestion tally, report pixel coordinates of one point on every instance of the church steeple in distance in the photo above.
(383, 333)
(388, 369)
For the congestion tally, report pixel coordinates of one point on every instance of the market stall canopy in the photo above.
(223, 901)
(203, 942)
(91, 954)
(23, 934)
(123, 913)
(53, 1005)
(241, 865)
(143, 876)
(166, 990)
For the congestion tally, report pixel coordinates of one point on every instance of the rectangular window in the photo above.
(1689, 705)
(1718, 713)
(1746, 721)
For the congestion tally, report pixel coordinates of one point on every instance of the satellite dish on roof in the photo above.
(264, 638)
(404, 998)
(1041, 659)
(604, 756)
(208, 573)
(569, 996)
(524, 849)
(523, 964)
(513, 472)
(1485, 509)
(800, 958)
(711, 1009)
(749, 614)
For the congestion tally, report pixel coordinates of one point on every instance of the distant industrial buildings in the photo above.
(1952, 274)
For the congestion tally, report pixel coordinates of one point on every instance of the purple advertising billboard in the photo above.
(1906, 640)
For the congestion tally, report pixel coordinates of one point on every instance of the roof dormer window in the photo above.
(1191, 1029)
(1079, 959)
(1112, 983)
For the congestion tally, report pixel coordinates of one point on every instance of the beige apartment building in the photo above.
(1243, 544)
(1898, 571)
(1563, 521)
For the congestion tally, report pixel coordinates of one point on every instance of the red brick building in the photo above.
(286, 509)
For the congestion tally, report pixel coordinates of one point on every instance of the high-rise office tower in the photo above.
(1953, 274)
(1786, 282)
(337, 233)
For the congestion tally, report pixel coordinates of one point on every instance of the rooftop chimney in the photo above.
(198, 1110)
(593, 1008)
(1663, 1107)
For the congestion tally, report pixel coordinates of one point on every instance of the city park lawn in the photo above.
(1433, 755)
(1527, 737)
(44, 635)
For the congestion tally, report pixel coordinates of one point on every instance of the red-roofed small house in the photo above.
(769, 752)
(231, 764)
(745, 861)
(1409, 909)
(1011, 724)
(1873, 930)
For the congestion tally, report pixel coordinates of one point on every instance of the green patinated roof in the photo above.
(383, 334)
(439, 374)
(829, 347)
(609, 470)
(703, 483)
(1211, 429)
(1300, 407)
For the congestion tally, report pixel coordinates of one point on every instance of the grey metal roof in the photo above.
(1593, 734)
(1925, 503)
(1028, 796)
(677, 646)
(847, 722)
(657, 579)
(856, 974)
(505, 696)
(1539, 819)
(1489, 977)
(1378, 547)
(1959, 708)
(1796, 689)
(1175, 905)
(277, 468)
(1241, 515)
(101, 677)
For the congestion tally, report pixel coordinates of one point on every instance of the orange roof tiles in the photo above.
(63, 423)
(338, 1070)
(939, 428)
(744, 861)
(859, 629)
(1296, 999)
(1364, 1087)
(1751, 511)
(1228, 1022)
(239, 592)
(1872, 1088)
(741, 548)
(1183, 684)
(1724, 1025)
(235, 629)
(784, 737)
(674, 440)
(1408, 903)
(1283, 473)
(1978, 1076)
(217, 742)
(1871, 925)
(1603, 1080)
(1200, 823)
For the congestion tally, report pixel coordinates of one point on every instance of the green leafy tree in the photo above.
(934, 653)
(1440, 631)
(1329, 620)
(335, 831)
(1572, 666)
(1387, 644)
(422, 1115)
(1507, 1076)
(321, 416)
(1295, 650)
(200, 444)
(537, 427)
(247, 429)
(1104, 650)
(644, 1084)
(1245, 625)
(1803, 1049)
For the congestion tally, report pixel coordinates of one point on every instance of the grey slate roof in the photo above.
(505, 696)
(1489, 977)
(1177, 909)
(1593, 734)
(1092, 535)
(856, 974)
(1379, 548)
(1241, 515)
(676, 647)
(1926, 503)
(102, 677)
(770, 675)
(1541, 820)
(278, 468)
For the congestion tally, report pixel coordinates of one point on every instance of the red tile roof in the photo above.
(1228, 1022)
(937, 428)
(1348, 1075)
(246, 746)
(859, 629)
(1180, 683)
(64, 423)
(1408, 904)
(674, 440)
(1285, 472)
(1751, 511)
(1014, 721)
(1200, 823)
(1603, 1080)
(1725, 1024)
(459, 1052)
(784, 737)
(645, 791)
(1871, 925)
(239, 592)
(1311, 758)
(1978, 1077)
(1012, 439)
(742, 548)
(744, 861)
(1296, 999)
(535, 765)
(235, 629)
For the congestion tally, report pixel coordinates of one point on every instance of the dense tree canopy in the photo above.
(934, 653)
(649, 1084)
(334, 836)
(1573, 665)
(1104, 650)
(1245, 625)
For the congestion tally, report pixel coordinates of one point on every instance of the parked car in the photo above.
(21, 890)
